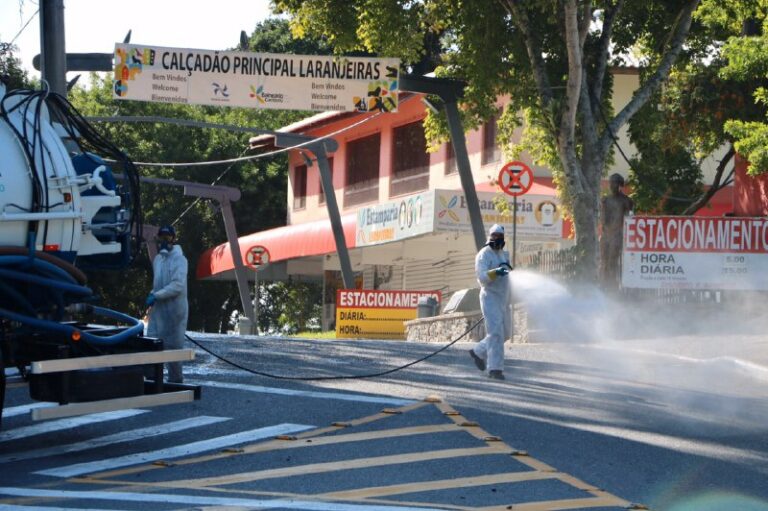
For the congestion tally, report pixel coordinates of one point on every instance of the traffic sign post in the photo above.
(515, 178)
(256, 257)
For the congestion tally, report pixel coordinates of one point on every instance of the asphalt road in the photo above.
(675, 422)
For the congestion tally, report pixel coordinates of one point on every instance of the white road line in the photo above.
(22, 409)
(10, 507)
(204, 501)
(47, 427)
(124, 436)
(173, 452)
(306, 393)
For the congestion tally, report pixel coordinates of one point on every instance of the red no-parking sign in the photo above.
(257, 256)
(515, 178)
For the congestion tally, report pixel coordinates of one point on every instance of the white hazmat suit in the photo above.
(495, 298)
(168, 318)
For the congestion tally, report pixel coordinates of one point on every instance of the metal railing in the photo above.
(556, 263)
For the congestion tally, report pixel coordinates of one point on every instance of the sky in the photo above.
(96, 25)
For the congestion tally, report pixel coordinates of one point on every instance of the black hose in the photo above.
(40, 291)
(338, 377)
(89, 139)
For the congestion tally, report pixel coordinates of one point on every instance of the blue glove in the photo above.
(150, 299)
(497, 272)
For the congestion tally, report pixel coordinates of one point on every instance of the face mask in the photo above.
(497, 244)
(165, 246)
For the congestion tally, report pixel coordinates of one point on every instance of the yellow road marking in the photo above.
(259, 446)
(151, 487)
(444, 484)
(558, 505)
(493, 445)
(317, 468)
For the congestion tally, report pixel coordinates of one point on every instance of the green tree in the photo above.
(551, 57)
(748, 63)
(11, 73)
(687, 120)
(290, 307)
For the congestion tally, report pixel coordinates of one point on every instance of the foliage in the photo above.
(311, 334)
(262, 183)
(705, 105)
(348, 29)
(549, 58)
(11, 71)
(748, 64)
(290, 307)
(274, 36)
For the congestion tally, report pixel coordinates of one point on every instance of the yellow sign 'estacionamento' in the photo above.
(375, 321)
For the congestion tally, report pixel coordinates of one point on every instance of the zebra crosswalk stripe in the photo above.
(208, 500)
(174, 452)
(13, 411)
(11, 507)
(123, 436)
(341, 396)
(48, 427)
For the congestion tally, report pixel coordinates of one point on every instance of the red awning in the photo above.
(288, 242)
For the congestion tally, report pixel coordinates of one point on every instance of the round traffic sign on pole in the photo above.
(257, 256)
(515, 178)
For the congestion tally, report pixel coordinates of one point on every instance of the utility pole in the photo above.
(52, 49)
(450, 91)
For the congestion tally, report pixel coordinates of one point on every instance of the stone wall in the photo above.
(447, 327)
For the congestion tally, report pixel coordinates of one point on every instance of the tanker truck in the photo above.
(63, 212)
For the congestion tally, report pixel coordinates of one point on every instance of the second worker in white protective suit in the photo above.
(492, 267)
(168, 299)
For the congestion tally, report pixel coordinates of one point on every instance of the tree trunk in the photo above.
(585, 209)
(585, 222)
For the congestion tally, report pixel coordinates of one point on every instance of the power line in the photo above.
(201, 124)
(218, 178)
(25, 26)
(241, 158)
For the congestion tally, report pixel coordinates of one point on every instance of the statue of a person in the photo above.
(613, 208)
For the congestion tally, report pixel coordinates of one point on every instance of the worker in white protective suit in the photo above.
(168, 299)
(492, 267)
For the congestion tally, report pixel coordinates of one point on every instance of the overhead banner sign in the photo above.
(376, 314)
(255, 80)
(538, 216)
(695, 253)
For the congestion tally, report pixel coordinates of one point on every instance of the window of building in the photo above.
(322, 193)
(491, 151)
(362, 178)
(450, 159)
(410, 160)
(299, 187)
